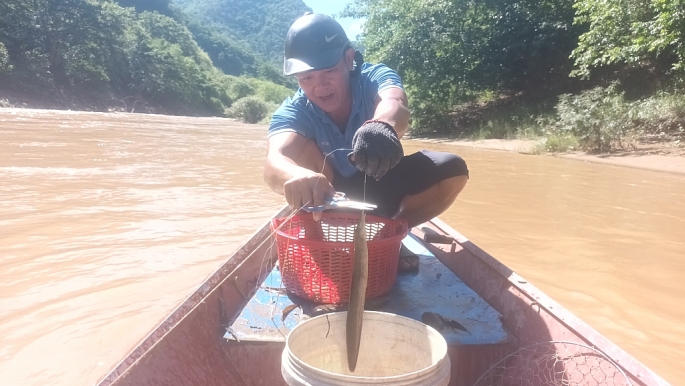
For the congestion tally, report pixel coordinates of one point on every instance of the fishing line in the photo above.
(364, 197)
(325, 157)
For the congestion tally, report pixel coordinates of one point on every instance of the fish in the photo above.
(434, 320)
(287, 311)
(439, 322)
(360, 277)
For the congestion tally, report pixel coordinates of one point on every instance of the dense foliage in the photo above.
(632, 33)
(459, 55)
(101, 54)
(449, 52)
(261, 24)
(601, 119)
(230, 55)
(251, 109)
(598, 118)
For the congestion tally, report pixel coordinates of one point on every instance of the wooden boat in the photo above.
(507, 333)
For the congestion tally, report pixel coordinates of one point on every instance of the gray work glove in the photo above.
(376, 148)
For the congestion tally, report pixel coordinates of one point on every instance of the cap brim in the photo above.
(322, 61)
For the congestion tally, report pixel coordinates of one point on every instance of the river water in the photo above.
(107, 221)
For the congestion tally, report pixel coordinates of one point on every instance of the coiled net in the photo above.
(555, 363)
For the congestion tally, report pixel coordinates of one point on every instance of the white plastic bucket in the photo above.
(395, 351)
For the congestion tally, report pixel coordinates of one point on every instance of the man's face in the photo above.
(329, 89)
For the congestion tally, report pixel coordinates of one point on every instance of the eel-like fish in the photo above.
(360, 276)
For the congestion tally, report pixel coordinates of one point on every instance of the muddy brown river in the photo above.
(107, 221)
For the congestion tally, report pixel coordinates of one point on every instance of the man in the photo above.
(346, 122)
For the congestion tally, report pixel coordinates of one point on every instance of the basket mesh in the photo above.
(315, 257)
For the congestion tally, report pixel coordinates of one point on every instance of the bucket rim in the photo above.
(444, 349)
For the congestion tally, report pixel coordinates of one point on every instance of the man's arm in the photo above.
(392, 107)
(294, 168)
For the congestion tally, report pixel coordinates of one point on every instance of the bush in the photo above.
(239, 89)
(249, 109)
(599, 118)
(661, 114)
(558, 142)
(269, 91)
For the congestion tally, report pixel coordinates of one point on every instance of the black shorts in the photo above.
(414, 174)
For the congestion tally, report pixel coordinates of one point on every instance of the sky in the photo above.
(353, 27)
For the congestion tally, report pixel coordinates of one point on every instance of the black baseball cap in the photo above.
(314, 42)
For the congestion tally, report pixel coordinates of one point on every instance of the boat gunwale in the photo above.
(583, 331)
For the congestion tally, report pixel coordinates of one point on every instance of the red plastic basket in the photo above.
(315, 258)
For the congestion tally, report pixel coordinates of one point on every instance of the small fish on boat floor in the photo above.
(287, 311)
(439, 322)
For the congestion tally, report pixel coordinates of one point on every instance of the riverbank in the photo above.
(661, 157)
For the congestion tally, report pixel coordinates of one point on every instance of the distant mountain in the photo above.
(261, 25)
(232, 53)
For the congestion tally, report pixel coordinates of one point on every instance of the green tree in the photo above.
(249, 109)
(449, 52)
(631, 33)
(528, 46)
(64, 44)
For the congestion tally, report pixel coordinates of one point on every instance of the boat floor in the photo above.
(463, 317)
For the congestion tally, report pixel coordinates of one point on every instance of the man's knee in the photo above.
(455, 166)
(451, 187)
(451, 173)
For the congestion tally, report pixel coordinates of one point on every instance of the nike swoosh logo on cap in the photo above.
(328, 40)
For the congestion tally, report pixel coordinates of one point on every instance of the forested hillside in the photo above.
(232, 55)
(127, 55)
(586, 72)
(262, 24)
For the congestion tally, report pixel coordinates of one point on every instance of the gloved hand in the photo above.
(376, 148)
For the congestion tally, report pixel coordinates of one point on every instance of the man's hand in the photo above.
(376, 148)
(308, 189)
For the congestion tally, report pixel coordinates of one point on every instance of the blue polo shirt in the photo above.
(301, 116)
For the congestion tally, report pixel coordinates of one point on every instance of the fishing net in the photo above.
(555, 363)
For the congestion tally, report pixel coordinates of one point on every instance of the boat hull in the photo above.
(189, 347)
